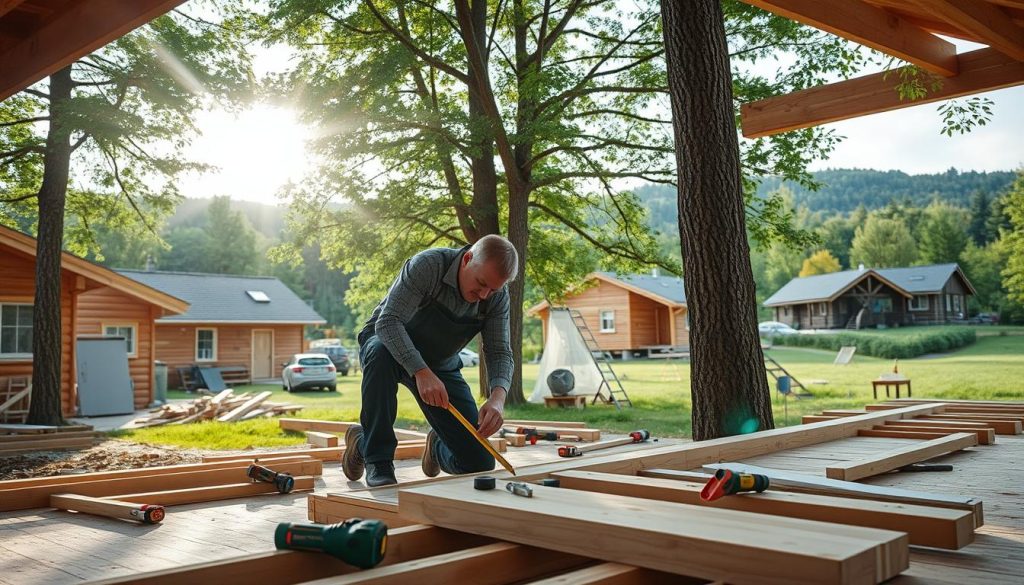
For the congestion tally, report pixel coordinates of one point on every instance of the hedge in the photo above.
(883, 345)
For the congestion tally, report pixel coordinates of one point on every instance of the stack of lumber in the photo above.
(16, 439)
(161, 486)
(983, 418)
(225, 407)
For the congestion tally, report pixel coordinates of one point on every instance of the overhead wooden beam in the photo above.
(9, 5)
(984, 20)
(870, 26)
(692, 540)
(889, 460)
(82, 27)
(980, 71)
(926, 526)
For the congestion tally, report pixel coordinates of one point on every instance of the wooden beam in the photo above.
(16, 398)
(890, 434)
(405, 450)
(490, 564)
(908, 401)
(81, 28)
(981, 70)
(983, 20)
(618, 574)
(318, 439)
(45, 445)
(565, 424)
(692, 541)
(213, 493)
(926, 526)
(334, 426)
(870, 26)
(242, 409)
(1001, 426)
(39, 496)
(811, 418)
(286, 567)
(9, 440)
(889, 460)
(145, 471)
(146, 513)
(986, 436)
(332, 508)
(9, 5)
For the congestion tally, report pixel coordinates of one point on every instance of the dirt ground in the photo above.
(111, 454)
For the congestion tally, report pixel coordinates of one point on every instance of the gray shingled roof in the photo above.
(820, 287)
(667, 287)
(219, 298)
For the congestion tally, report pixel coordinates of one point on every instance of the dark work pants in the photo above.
(457, 451)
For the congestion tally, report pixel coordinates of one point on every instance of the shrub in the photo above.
(886, 345)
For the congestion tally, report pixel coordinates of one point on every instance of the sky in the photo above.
(261, 149)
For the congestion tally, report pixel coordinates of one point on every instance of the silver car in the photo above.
(309, 370)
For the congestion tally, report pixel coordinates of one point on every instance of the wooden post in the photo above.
(318, 439)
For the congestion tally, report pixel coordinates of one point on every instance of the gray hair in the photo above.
(492, 248)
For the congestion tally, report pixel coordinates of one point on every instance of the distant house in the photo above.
(629, 312)
(94, 300)
(919, 295)
(251, 321)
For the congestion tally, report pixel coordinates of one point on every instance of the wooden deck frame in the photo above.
(890, 460)
(926, 526)
(986, 436)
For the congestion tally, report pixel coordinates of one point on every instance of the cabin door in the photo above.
(262, 354)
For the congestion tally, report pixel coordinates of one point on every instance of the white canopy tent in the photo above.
(565, 349)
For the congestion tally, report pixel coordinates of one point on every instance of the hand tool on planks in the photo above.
(519, 488)
(727, 483)
(574, 451)
(483, 441)
(113, 508)
(358, 542)
(284, 482)
(533, 435)
(926, 467)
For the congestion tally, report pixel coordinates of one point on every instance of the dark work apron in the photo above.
(439, 335)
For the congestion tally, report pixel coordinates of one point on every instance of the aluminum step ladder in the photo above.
(609, 379)
(776, 371)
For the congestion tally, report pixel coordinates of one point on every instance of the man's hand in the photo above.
(492, 413)
(431, 389)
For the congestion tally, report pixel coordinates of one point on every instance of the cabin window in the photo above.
(822, 309)
(949, 303)
(881, 305)
(126, 331)
(206, 345)
(956, 303)
(918, 303)
(607, 321)
(15, 330)
(785, 311)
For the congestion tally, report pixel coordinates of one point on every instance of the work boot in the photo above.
(380, 473)
(429, 462)
(352, 463)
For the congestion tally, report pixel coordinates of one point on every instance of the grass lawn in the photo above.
(990, 369)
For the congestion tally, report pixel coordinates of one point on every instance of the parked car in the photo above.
(340, 357)
(984, 319)
(775, 328)
(306, 371)
(469, 358)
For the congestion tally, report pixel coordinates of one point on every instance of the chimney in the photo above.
(860, 267)
(654, 272)
(150, 266)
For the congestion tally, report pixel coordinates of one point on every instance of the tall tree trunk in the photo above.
(47, 365)
(518, 234)
(728, 383)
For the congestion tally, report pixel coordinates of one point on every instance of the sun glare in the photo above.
(256, 152)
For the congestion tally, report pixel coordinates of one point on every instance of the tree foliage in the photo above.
(943, 234)
(1013, 240)
(883, 243)
(820, 262)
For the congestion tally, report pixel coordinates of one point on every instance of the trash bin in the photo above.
(784, 385)
(159, 383)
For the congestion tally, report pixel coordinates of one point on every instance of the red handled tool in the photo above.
(574, 451)
(727, 483)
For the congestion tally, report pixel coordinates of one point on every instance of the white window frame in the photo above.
(601, 319)
(914, 303)
(210, 359)
(133, 342)
(823, 309)
(12, 355)
(949, 303)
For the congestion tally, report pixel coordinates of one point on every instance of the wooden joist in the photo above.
(692, 541)
(983, 20)
(285, 567)
(1001, 426)
(8, 440)
(619, 574)
(926, 526)
(318, 439)
(333, 426)
(45, 443)
(39, 496)
(564, 424)
(810, 418)
(986, 435)
(890, 460)
(337, 507)
(405, 450)
(213, 493)
(904, 434)
(139, 512)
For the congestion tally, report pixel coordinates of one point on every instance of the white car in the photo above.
(775, 328)
(469, 358)
(309, 370)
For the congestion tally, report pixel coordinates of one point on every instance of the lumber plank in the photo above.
(45, 445)
(986, 435)
(318, 439)
(547, 423)
(39, 496)
(303, 483)
(331, 508)
(584, 434)
(104, 507)
(333, 426)
(490, 564)
(618, 574)
(988, 23)
(27, 429)
(286, 567)
(811, 418)
(800, 482)
(405, 450)
(889, 460)
(926, 526)
(908, 401)
(906, 434)
(144, 471)
(969, 409)
(16, 398)
(7, 439)
(248, 405)
(1001, 426)
(693, 541)
(515, 440)
(500, 445)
